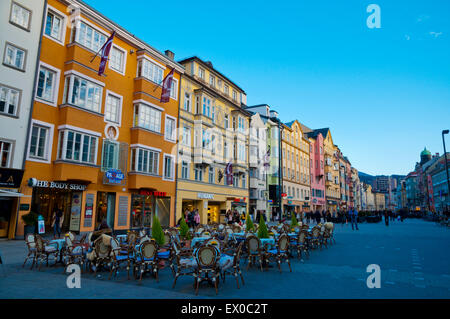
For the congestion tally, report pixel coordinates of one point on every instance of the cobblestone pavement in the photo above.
(413, 257)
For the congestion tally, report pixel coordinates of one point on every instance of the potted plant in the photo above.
(248, 223)
(157, 232)
(294, 221)
(262, 229)
(184, 233)
(30, 221)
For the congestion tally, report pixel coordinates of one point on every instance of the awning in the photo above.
(8, 193)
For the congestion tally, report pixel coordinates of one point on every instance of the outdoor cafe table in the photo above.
(195, 240)
(60, 244)
(121, 238)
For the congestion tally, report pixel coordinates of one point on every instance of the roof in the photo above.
(425, 152)
(210, 66)
(314, 133)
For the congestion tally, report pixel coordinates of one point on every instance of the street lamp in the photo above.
(446, 164)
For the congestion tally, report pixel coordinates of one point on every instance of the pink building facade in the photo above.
(317, 169)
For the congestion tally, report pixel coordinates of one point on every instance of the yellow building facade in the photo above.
(296, 168)
(213, 133)
(101, 148)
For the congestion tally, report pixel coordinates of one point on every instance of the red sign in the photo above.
(283, 195)
(154, 193)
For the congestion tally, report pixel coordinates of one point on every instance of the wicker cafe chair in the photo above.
(255, 250)
(102, 252)
(148, 257)
(281, 251)
(236, 228)
(314, 239)
(117, 259)
(329, 233)
(207, 257)
(73, 253)
(300, 244)
(235, 269)
(31, 246)
(183, 264)
(44, 250)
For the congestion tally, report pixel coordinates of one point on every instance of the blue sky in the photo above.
(385, 93)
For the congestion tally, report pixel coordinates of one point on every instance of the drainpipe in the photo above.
(32, 102)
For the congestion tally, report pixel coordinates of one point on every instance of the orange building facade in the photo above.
(100, 148)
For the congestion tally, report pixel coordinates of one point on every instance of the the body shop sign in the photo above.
(33, 182)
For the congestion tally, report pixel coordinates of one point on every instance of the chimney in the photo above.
(169, 54)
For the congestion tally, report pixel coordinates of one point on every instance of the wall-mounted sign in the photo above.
(75, 211)
(33, 182)
(10, 178)
(114, 176)
(88, 210)
(24, 207)
(41, 225)
(205, 196)
(154, 193)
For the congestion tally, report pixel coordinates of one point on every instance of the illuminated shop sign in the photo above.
(33, 182)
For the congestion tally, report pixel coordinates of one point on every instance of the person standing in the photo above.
(386, 217)
(57, 221)
(354, 218)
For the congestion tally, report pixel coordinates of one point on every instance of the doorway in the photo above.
(6, 205)
(106, 209)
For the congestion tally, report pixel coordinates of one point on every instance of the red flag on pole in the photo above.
(166, 87)
(105, 53)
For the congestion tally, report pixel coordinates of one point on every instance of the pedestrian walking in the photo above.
(57, 221)
(354, 218)
(197, 218)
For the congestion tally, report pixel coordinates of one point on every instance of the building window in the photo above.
(14, 57)
(206, 107)
(186, 139)
(83, 93)
(201, 73)
(144, 161)
(20, 16)
(226, 121)
(89, 37)
(38, 143)
(198, 173)
(185, 170)
(174, 89)
(241, 124)
(244, 181)
(150, 71)
(117, 59)
(235, 180)
(110, 155)
(46, 85)
(78, 147)
(54, 26)
(211, 175)
(212, 81)
(147, 117)
(170, 129)
(112, 108)
(187, 102)
(9, 100)
(213, 114)
(169, 167)
(5, 153)
(226, 89)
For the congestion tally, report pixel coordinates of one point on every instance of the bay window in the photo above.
(89, 37)
(83, 93)
(147, 117)
(144, 160)
(150, 71)
(77, 146)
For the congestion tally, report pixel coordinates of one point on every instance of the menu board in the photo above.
(75, 211)
(123, 211)
(89, 208)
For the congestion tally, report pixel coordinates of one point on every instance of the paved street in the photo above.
(413, 257)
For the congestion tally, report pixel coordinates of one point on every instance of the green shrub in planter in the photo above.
(294, 221)
(248, 223)
(30, 219)
(262, 229)
(157, 232)
(184, 230)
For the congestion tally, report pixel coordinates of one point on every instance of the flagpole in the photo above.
(159, 85)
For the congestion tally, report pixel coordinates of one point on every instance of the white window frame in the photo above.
(10, 152)
(15, 48)
(119, 111)
(136, 121)
(172, 178)
(199, 169)
(174, 89)
(188, 99)
(172, 139)
(30, 13)
(136, 147)
(124, 62)
(186, 139)
(95, 28)
(116, 155)
(55, 85)
(7, 99)
(82, 131)
(48, 142)
(62, 32)
(68, 89)
(160, 76)
(185, 166)
(212, 175)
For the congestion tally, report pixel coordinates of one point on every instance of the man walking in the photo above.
(354, 218)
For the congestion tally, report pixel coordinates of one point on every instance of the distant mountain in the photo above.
(366, 178)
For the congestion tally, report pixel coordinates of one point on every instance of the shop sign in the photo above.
(10, 177)
(75, 211)
(41, 225)
(114, 176)
(154, 193)
(24, 207)
(33, 182)
(205, 196)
